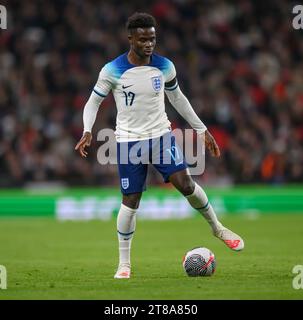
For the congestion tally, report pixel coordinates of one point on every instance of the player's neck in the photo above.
(135, 59)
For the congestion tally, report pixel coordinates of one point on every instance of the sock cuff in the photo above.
(198, 199)
(128, 210)
(195, 191)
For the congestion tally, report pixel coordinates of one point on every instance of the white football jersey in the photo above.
(139, 96)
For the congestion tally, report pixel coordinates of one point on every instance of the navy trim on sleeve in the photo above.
(172, 88)
(99, 94)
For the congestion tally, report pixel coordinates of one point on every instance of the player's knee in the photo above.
(187, 187)
(132, 200)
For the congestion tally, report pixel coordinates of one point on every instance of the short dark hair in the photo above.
(140, 20)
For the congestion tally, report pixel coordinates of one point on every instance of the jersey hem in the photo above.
(140, 138)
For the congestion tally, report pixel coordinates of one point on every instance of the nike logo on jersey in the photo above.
(124, 87)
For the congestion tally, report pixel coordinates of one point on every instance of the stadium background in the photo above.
(238, 62)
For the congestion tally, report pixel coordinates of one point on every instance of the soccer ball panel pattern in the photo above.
(199, 262)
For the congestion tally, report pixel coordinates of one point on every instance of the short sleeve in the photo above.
(170, 71)
(104, 83)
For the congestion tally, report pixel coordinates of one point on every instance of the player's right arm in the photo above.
(89, 116)
(100, 91)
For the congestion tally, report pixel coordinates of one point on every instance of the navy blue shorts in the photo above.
(135, 156)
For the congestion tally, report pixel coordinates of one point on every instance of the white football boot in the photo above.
(123, 271)
(231, 239)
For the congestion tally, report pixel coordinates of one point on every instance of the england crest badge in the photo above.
(124, 183)
(157, 83)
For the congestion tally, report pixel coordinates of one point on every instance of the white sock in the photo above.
(126, 225)
(199, 201)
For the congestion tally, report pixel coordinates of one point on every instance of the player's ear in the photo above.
(130, 37)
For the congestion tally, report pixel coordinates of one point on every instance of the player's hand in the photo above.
(83, 142)
(211, 144)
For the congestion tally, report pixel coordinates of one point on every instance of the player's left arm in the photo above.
(184, 108)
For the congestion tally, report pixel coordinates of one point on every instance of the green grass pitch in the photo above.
(47, 259)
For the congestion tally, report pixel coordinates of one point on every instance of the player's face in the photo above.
(143, 41)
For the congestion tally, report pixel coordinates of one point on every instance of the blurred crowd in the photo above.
(240, 63)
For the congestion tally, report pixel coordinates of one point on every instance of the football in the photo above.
(199, 262)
